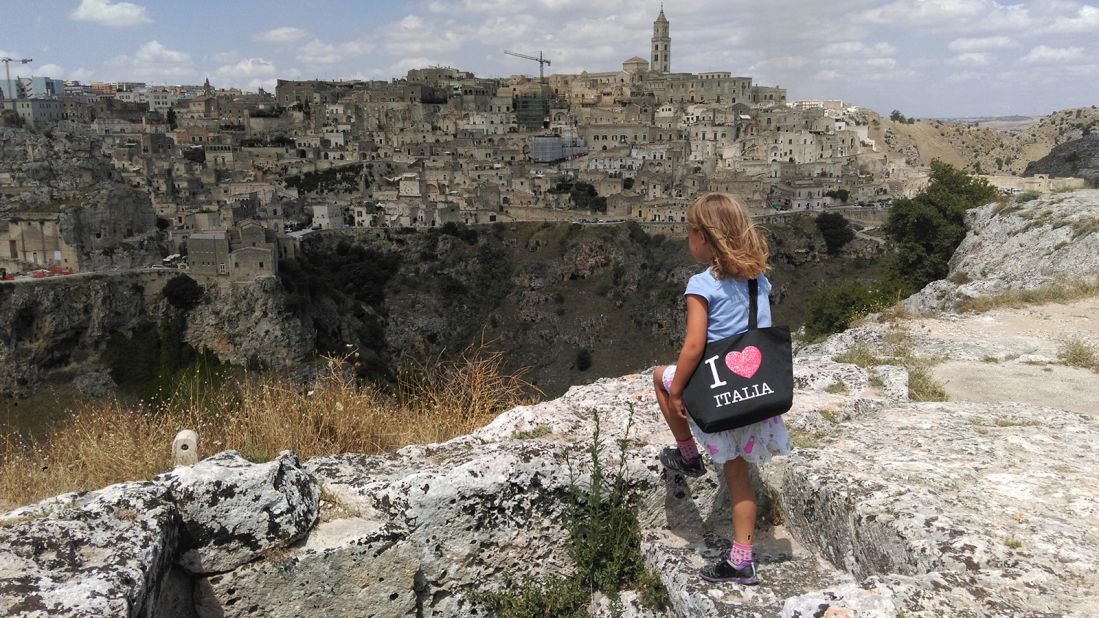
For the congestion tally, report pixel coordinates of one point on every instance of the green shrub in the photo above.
(182, 292)
(604, 546)
(929, 227)
(836, 231)
(833, 309)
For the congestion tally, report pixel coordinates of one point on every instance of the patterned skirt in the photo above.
(755, 443)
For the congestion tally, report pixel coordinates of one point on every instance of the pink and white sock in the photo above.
(740, 554)
(687, 449)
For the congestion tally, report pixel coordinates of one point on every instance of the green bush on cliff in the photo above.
(182, 292)
(929, 227)
(836, 231)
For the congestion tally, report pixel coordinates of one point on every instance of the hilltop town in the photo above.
(226, 183)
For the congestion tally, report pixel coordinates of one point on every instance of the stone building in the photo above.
(34, 240)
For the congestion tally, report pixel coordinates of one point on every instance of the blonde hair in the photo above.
(740, 250)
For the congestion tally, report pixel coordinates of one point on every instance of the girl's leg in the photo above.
(744, 500)
(678, 425)
(739, 566)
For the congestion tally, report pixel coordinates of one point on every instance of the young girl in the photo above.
(722, 236)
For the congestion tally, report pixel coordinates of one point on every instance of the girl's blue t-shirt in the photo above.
(727, 303)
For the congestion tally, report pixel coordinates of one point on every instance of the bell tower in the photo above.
(661, 45)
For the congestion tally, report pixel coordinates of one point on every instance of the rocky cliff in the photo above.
(1021, 244)
(58, 329)
(542, 293)
(1076, 159)
(983, 505)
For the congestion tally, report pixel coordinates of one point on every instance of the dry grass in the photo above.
(1076, 352)
(898, 349)
(1054, 293)
(260, 415)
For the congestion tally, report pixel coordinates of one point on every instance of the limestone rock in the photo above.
(247, 322)
(1019, 246)
(347, 567)
(104, 553)
(848, 601)
(234, 511)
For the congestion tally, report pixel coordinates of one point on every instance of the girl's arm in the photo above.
(694, 343)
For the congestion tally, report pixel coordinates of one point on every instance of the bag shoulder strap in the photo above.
(753, 304)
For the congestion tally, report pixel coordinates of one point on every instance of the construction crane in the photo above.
(542, 62)
(7, 70)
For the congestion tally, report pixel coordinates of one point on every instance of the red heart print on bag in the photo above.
(744, 363)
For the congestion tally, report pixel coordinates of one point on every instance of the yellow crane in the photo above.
(542, 62)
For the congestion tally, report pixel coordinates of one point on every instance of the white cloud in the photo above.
(951, 14)
(154, 61)
(972, 59)
(842, 49)
(787, 62)
(319, 52)
(155, 53)
(1046, 55)
(1085, 20)
(116, 15)
(286, 34)
(226, 57)
(412, 36)
(249, 68)
(881, 63)
(81, 74)
(50, 70)
(980, 44)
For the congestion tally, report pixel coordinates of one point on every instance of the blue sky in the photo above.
(923, 57)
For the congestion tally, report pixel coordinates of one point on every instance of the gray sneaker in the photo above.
(725, 571)
(673, 460)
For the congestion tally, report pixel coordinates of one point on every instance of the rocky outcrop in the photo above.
(106, 553)
(63, 325)
(110, 552)
(1019, 246)
(886, 506)
(113, 227)
(63, 322)
(247, 323)
(235, 511)
(49, 166)
(1078, 158)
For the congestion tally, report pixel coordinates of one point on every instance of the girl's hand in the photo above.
(676, 402)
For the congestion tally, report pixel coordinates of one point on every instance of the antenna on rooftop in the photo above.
(542, 62)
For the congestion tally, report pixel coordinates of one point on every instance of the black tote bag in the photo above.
(744, 378)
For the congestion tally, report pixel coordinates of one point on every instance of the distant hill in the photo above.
(1078, 158)
(1005, 145)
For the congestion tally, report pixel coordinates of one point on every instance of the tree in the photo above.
(585, 197)
(182, 292)
(836, 230)
(833, 309)
(172, 118)
(929, 227)
(839, 194)
(897, 116)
